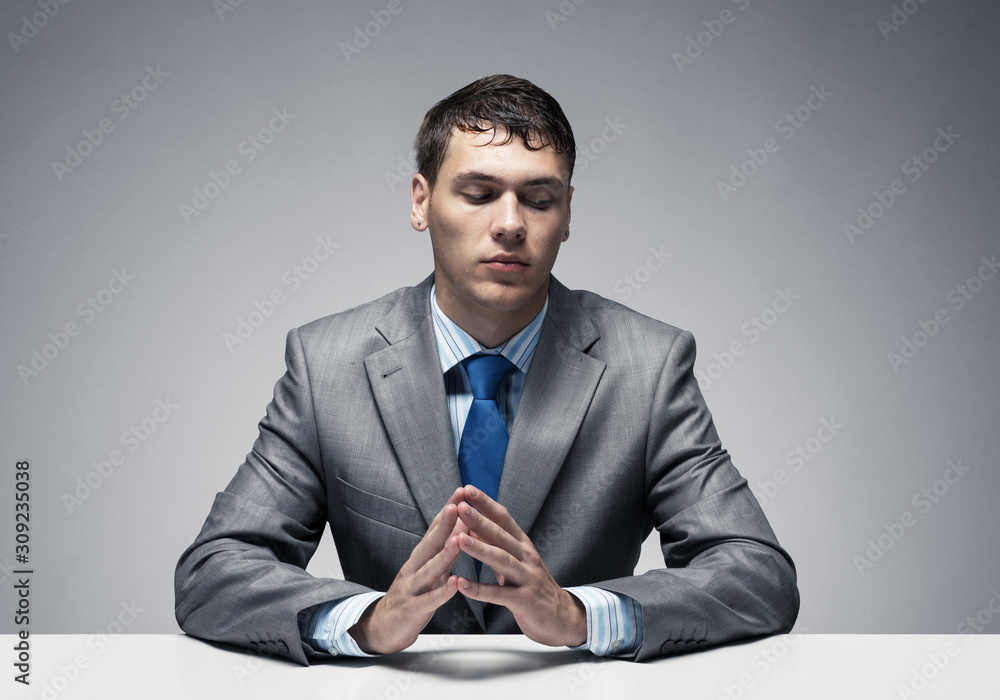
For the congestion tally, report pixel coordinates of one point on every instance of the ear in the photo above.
(420, 201)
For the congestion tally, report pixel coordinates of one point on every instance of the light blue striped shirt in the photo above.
(454, 345)
(614, 622)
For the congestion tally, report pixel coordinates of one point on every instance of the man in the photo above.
(489, 448)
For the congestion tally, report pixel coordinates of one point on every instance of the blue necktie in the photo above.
(484, 438)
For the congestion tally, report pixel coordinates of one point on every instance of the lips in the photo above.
(505, 263)
(506, 259)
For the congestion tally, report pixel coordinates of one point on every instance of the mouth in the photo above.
(505, 263)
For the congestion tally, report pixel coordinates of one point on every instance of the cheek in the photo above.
(452, 249)
(552, 241)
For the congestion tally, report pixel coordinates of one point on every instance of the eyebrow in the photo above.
(477, 176)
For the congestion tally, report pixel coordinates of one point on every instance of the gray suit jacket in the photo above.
(611, 439)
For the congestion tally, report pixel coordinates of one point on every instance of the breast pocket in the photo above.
(382, 510)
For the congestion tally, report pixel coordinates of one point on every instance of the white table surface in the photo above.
(807, 667)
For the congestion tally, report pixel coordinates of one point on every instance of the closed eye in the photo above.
(539, 203)
(484, 197)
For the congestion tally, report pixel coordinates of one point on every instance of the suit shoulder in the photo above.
(630, 339)
(351, 333)
(612, 317)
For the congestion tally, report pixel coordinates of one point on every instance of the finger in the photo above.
(481, 527)
(446, 591)
(436, 536)
(485, 592)
(458, 496)
(434, 599)
(502, 562)
(457, 527)
(440, 564)
(460, 528)
(437, 567)
(494, 511)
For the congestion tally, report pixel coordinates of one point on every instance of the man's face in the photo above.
(497, 215)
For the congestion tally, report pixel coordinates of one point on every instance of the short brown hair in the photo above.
(519, 106)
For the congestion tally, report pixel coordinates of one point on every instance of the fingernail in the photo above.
(466, 508)
(466, 584)
(474, 492)
(468, 541)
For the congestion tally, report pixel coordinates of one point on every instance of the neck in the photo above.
(490, 328)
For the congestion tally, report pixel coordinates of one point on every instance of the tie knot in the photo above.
(485, 374)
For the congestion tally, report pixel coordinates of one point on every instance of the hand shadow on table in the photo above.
(464, 664)
(457, 664)
(467, 664)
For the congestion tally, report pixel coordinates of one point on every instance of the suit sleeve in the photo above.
(726, 577)
(243, 580)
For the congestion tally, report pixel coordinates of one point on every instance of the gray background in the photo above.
(339, 170)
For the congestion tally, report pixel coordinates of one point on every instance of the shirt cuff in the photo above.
(614, 622)
(327, 627)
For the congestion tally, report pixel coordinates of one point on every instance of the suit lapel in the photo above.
(557, 392)
(408, 386)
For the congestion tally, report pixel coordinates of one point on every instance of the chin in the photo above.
(498, 303)
(501, 304)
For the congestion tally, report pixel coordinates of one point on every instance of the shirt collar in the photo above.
(454, 344)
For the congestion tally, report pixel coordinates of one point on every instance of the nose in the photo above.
(508, 219)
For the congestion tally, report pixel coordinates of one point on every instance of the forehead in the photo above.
(485, 152)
